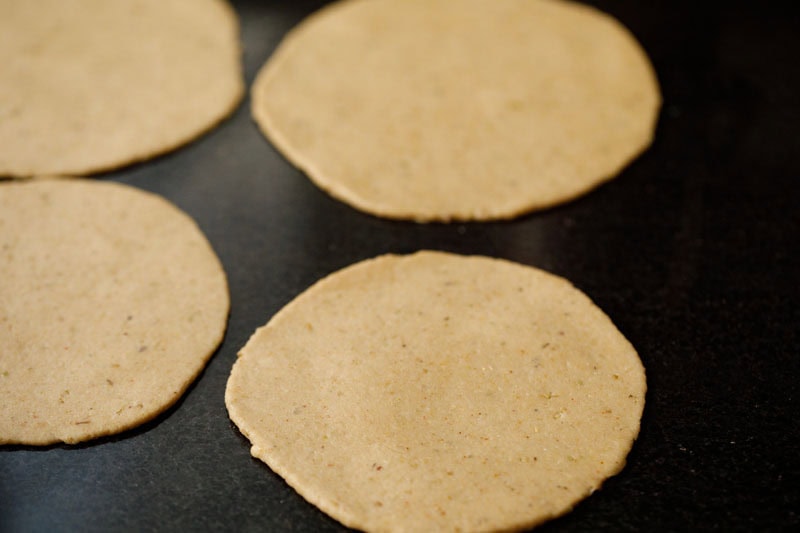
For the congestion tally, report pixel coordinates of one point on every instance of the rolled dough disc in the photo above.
(91, 85)
(111, 302)
(436, 392)
(458, 110)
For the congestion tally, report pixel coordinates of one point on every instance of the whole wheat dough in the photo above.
(436, 392)
(111, 302)
(457, 110)
(91, 85)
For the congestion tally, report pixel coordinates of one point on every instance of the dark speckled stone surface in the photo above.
(692, 251)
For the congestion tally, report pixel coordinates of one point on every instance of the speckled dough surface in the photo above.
(111, 302)
(91, 85)
(448, 110)
(436, 392)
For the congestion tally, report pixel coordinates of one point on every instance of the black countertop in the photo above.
(692, 251)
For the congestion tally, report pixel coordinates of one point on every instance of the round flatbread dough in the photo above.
(91, 85)
(458, 110)
(437, 392)
(111, 303)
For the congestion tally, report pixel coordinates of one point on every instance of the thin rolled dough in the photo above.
(92, 85)
(458, 110)
(111, 302)
(436, 392)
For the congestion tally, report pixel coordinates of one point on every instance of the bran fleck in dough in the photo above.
(92, 85)
(436, 392)
(111, 302)
(437, 110)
